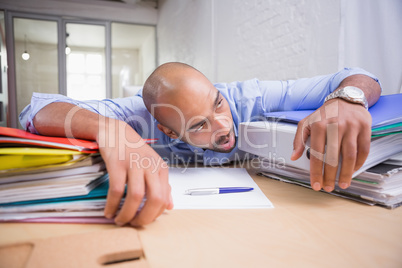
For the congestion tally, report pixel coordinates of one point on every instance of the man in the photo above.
(195, 120)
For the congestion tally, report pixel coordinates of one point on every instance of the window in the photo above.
(86, 61)
(85, 76)
(104, 59)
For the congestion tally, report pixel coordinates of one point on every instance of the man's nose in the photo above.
(222, 123)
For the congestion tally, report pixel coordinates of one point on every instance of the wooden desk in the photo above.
(305, 229)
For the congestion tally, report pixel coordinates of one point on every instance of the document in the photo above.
(183, 179)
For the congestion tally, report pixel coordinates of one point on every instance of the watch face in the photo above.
(353, 92)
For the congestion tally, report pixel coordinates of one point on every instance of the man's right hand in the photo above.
(129, 160)
(132, 162)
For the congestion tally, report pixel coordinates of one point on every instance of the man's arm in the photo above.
(338, 128)
(118, 142)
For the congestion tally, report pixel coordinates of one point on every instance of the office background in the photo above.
(227, 40)
(236, 40)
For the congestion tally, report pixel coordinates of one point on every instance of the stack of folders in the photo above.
(377, 182)
(50, 179)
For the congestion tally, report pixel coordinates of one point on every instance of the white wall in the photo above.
(270, 39)
(235, 40)
(372, 39)
(185, 33)
(276, 39)
(148, 56)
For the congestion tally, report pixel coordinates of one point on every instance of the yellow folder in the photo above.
(21, 157)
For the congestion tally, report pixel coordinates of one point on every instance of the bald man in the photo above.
(194, 120)
(170, 93)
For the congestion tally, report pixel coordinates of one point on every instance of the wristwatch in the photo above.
(350, 94)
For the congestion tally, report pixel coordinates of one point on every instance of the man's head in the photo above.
(189, 107)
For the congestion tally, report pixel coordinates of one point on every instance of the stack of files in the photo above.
(75, 209)
(51, 179)
(395, 160)
(272, 142)
(49, 176)
(380, 185)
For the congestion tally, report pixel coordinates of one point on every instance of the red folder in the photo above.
(20, 137)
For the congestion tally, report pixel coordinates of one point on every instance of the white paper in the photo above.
(182, 179)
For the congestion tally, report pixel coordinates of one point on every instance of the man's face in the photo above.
(200, 116)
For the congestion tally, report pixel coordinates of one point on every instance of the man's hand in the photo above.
(130, 161)
(336, 128)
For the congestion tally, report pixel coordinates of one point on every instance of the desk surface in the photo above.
(305, 229)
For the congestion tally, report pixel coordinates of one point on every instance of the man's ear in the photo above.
(168, 131)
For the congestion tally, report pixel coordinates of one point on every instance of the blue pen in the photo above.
(219, 190)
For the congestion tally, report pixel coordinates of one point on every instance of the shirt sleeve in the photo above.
(305, 93)
(131, 110)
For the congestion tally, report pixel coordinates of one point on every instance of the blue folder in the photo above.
(386, 112)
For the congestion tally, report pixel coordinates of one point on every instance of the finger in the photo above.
(171, 204)
(165, 189)
(134, 197)
(154, 202)
(349, 147)
(317, 150)
(331, 161)
(164, 176)
(161, 210)
(299, 142)
(117, 182)
(363, 147)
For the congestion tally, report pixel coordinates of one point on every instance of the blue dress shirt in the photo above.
(248, 101)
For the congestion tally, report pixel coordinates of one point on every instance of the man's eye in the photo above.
(219, 103)
(200, 127)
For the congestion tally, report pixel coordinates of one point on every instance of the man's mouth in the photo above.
(227, 142)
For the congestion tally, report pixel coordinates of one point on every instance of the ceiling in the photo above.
(82, 35)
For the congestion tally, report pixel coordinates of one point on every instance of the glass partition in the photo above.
(83, 59)
(36, 58)
(133, 57)
(86, 61)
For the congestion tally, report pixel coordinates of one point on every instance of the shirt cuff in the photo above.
(38, 101)
(346, 72)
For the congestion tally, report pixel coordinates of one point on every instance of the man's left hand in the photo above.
(337, 128)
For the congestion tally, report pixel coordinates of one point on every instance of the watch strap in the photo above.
(341, 93)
